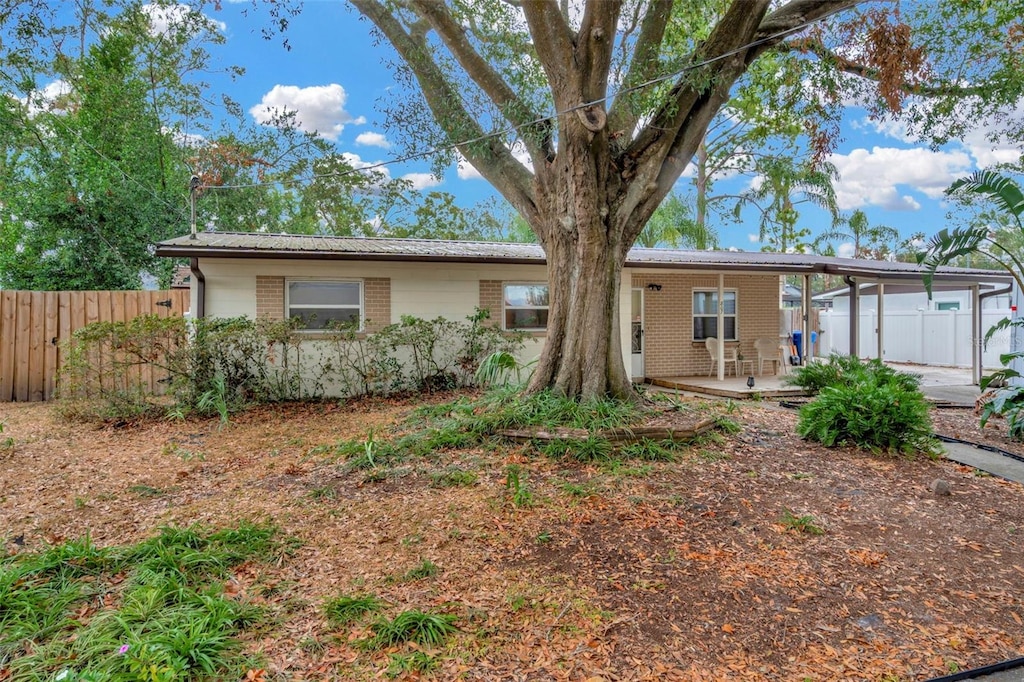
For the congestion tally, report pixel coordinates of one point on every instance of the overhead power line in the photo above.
(452, 146)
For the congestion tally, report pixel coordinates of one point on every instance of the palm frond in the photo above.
(1002, 324)
(946, 246)
(1000, 189)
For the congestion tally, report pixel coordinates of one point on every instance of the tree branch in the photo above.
(553, 41)
(660, 153)
(494, 161)
(820, 50)
(644, 64)
(798, 12)
(512, 107)
(596, 40)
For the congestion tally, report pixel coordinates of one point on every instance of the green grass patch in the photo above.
(151, 611)
(419, 627)
(415, 662)
(425, 569)
(343, 609)
(801, 524)
(453, 477)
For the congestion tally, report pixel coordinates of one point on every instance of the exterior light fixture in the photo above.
(654, 287)
(750, 382)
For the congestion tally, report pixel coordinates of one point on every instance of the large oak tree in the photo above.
(583, 114)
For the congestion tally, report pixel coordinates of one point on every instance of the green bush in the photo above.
(217, 366)
(1009, 403)
(870, 406)
(846, 369)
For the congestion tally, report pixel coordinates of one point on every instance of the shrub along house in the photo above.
(668, 301)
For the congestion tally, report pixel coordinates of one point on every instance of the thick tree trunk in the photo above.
(582, 239)
(582, 354)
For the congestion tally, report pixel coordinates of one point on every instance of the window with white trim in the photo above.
(525, 306)
(947, 305)
(705, 314)
(323, 304)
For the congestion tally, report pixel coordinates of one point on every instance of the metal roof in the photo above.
(291, 246)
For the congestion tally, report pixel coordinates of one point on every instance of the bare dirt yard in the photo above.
(755, 556)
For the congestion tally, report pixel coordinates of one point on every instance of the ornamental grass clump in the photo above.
(870, 406)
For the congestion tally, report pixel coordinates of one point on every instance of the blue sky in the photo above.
(333, 76)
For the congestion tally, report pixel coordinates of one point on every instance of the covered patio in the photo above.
(739, 294)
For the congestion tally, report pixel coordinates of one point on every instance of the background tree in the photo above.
(781, 188)
(93, 167)
(673, 225)
(92, 176)
(874, 242)
(601, 164)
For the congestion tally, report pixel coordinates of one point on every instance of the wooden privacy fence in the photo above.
(34, 325)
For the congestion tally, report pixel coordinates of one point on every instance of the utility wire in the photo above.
(514, 128)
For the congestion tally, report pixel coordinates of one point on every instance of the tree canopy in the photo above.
(611, 99)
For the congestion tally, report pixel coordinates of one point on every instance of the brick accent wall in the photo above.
(669, 348)
(270, 297)
(377, 303)
(491, 294)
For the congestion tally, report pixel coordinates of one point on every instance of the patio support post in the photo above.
(720, 326)
(977, 345)
(881, 321)
(854, 316)
(805, 303)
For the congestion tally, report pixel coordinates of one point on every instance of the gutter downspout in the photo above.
(854, 315)
(978, 351)
(200, 280)
(805, 305)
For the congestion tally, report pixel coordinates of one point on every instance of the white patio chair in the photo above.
(731, 355)
(768, 350)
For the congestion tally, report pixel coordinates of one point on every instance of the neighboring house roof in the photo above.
(181, 278)
(260, 245)
(791, 293)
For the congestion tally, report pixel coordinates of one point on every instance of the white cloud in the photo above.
(845, 250)
(896, 130)
(162, 18)
(466, 171)
(976, 141)
(987, 153)
(753, 238)
(47, 99)
(318, 108)
(422, 181)
(369, 139)
(184, 139)
(356, 162)
(872, 177)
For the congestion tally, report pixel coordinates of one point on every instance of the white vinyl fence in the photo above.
(927, 337)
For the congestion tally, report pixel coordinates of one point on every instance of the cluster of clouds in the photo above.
(322, 109)
(872, 177)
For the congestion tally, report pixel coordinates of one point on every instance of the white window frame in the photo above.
(361, 312)
(713, 290)
(523, 307)
(939, 304)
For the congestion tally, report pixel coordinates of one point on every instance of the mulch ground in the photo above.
(629, 571)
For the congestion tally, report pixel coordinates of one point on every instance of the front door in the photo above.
(637, 334)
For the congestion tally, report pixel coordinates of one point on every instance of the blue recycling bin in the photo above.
(798, 337)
